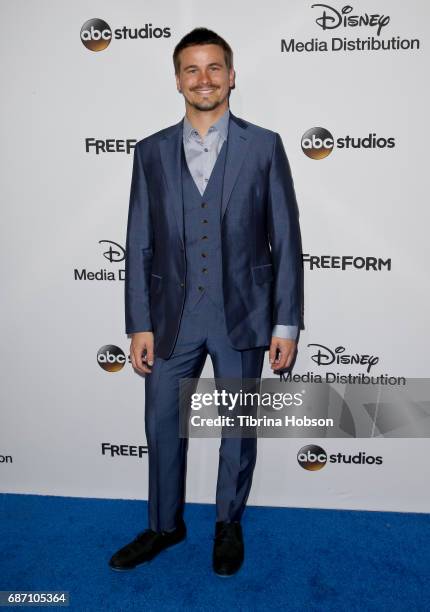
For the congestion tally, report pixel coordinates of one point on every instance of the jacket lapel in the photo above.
(237, 148)
(170, 153)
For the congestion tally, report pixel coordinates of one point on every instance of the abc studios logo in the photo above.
(317, 143)
(111, 358)
(96, 34)
(312, 457)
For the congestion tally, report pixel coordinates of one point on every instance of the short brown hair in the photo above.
(202, 36)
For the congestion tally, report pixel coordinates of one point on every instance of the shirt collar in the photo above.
(221, 125)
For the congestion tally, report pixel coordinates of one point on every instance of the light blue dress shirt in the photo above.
(201, 155)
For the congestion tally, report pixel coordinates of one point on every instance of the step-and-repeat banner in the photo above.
(345, 86)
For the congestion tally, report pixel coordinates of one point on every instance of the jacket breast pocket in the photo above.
(263, 274)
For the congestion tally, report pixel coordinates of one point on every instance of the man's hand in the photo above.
(142, 351)
(285, 349)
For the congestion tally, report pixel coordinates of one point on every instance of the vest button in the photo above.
(204, 205)
(204, 270)
(204, 237)
(205, 221)
(200, 288)
(204, 254)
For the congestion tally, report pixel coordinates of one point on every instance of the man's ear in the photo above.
(232, 78)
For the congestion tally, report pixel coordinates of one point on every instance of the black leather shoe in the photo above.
(146, 545)
(228, 552)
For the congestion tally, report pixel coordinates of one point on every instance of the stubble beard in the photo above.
(206, 105)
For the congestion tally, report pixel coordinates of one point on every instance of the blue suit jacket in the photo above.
(260, 237)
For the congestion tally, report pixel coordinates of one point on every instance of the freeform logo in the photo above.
(96, 34)
(124, 450)
(318, 142)
(313, 458)
(111, 358)
(343, 262)
(110, 145)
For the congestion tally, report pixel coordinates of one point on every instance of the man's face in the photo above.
(204, 78)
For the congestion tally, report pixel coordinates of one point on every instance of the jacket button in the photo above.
(181, 284)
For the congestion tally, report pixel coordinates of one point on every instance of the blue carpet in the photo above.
(296, 559)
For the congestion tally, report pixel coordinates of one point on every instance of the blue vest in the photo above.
(202, 228)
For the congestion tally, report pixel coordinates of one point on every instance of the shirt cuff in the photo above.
(288, 332)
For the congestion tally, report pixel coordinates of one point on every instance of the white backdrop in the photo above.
(61, 198)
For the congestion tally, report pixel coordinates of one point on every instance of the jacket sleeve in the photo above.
(138, 252)
(285, 240)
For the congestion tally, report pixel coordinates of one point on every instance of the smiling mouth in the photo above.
(204, 90)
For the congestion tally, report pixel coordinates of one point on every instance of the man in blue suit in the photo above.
(213, 266)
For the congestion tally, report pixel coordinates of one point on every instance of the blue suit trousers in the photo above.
(202, 332)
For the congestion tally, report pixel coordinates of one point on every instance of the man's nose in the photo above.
(205, 79)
